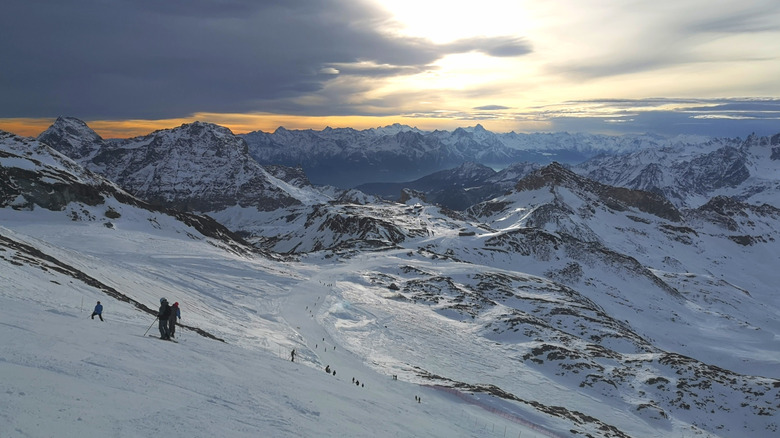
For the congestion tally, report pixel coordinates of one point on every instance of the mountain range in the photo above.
(398, 153)
(689, 176)
(628, 295)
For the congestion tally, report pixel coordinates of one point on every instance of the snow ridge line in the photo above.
(501, 413)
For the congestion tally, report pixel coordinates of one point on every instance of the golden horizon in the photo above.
(245, 123)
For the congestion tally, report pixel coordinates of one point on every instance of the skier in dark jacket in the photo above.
(163, 314)
(98, 311)
(175, 313)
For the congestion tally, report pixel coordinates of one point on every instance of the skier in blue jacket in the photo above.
(98, 311)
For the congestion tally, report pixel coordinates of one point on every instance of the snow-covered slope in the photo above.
(703, 265)
(64, 374)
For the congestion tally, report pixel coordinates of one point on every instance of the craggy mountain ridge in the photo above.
(688, 172)
(610, 295)
(347, 157)
(34, 175)
(689, 176)
(167, 167)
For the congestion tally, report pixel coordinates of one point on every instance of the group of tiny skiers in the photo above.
(167, 315)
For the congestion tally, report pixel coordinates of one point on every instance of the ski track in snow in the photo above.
(66, 375)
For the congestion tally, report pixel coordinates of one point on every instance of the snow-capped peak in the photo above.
(73, 137)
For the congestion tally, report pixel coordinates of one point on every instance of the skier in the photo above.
(292, 356)
(98, 311)
(175, 313)
(163, 314)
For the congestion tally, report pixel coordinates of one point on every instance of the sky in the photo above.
(128, 67)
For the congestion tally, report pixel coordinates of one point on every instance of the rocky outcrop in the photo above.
(616, 198)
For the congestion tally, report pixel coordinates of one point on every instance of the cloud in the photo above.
(329, 71)
(491, 108)
(709, 117)
(755, 16)
(493, 46)
(157, 59)
(375, 70)
(642, 37)
(665, 116)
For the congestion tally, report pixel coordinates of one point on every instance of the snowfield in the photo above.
(63, 374)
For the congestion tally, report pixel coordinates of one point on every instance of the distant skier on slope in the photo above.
(98, 311)
(163, 314)
(292, 356)
(175, 313)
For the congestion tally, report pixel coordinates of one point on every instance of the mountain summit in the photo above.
(195, 167)
(73, 138)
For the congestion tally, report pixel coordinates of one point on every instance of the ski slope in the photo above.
(63, 374)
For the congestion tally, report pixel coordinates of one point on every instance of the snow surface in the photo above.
(63, 374)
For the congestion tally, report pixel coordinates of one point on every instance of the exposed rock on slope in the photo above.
(615, 198)
(33, 175)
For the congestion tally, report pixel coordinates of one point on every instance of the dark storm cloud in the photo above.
(158, 59)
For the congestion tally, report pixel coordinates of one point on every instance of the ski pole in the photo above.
(150, 327)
